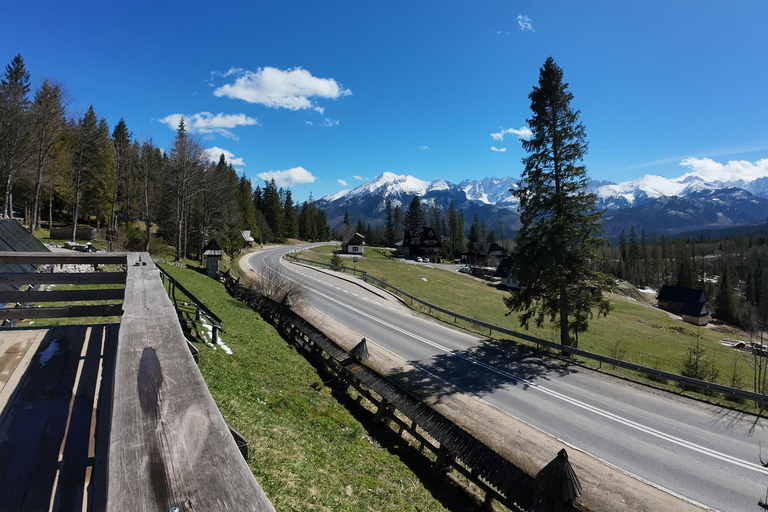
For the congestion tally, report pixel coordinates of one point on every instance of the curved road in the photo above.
(705, 453)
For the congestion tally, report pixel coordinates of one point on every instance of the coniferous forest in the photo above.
(60, 168)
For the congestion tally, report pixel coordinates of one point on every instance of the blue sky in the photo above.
(334, 92)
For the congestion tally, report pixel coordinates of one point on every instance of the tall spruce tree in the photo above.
(15, 126)
(557, 243)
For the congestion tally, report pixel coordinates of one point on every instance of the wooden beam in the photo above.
(169, 445)
(55, 258)
(63, 278)
(61, 295)
(62, 312)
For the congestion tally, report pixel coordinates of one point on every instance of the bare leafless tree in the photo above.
(274, 285)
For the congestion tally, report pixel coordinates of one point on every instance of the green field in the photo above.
(307, 450)
(633, 331)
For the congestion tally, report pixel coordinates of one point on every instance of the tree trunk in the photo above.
(565, 338)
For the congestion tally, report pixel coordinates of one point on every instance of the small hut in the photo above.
(212, 254)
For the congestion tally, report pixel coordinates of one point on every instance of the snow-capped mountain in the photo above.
(653, 203)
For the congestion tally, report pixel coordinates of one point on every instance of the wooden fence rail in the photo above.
(453, 446)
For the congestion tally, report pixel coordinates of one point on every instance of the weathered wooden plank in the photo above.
(61, 295)
(63, 278)
(58, 424)
(169, 445)
(62, 312)
(98, 489)
(77, 258)
(70, 489)
(26, 429)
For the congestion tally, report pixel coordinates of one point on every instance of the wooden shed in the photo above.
(212, 254)
(690, 303)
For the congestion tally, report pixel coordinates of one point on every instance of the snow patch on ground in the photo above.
(48, 354)
(424, 279)
(209, 329)
(647, 290)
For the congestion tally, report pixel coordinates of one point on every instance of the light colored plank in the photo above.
(169, 445)
(61, 295)
(62, 312)
(77, 258)
(63, 278)
(11, 385)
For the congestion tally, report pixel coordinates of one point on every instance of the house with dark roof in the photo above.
(484, 254)
(690, 303)
(421, 241)
(212, 254)
(504, 272)
(352, 242)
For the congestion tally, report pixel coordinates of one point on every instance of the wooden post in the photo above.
(215, 335)
(488, 502)
(442, 453)
(382, 411)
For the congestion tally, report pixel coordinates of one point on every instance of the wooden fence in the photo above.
(452, 446)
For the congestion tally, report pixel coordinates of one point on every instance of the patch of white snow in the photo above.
(48, 354)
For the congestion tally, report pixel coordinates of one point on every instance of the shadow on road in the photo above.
(483, 368)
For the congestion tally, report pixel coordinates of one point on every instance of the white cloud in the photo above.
(294, 176)
(342, 183)
(272, 87)
(524, 22)
(523, 133)
(330, 122)
(310, 123)
(423, 147)
(709, 170)
(213, 154)
(207, 123)
(500, 150)
(359, 178)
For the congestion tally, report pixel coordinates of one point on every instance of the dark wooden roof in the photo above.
(418, 235)
(669, 293)
(485, 248)
(505, 268)
(357, 239)
(13, 237)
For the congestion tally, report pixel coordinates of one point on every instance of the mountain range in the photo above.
(650, 203)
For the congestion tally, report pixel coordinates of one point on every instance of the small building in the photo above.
(212, 254)
(690, 303)
(484, 254)
(504, 272)
(352, 242)
(421, 241)
(248, 240)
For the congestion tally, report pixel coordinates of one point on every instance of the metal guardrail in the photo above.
(215, 320)
(758, 398)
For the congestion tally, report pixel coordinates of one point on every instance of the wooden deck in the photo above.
(54, 422)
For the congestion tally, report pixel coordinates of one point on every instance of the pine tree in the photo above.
(290, 221)
(474, 231)
(557, 241)
(726, 307)
(15, 126)
(48, 125)
(389, 226)
(415, 217)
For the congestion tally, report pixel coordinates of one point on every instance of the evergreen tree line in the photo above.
(449, 226)
(732, 271)
(73, 170)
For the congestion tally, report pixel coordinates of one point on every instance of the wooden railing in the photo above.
(168, 447)
(24, 285)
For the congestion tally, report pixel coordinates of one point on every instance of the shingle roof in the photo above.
(681, 294)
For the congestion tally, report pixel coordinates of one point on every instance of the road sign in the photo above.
(354, 259)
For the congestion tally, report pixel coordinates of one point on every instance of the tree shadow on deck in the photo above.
(46, 455)
(482, 369)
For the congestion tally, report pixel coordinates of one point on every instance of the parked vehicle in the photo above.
(419, 259)
(464, 269)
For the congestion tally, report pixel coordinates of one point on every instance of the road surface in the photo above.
(702, 452)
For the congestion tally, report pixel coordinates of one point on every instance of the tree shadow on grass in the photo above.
(482, 369)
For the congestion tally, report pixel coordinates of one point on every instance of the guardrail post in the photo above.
(215, 335)
(442, 454)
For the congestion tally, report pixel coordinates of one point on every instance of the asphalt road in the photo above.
(705, 453)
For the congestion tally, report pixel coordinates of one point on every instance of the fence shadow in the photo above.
(484, 368)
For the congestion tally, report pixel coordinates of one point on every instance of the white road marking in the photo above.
(596, 410)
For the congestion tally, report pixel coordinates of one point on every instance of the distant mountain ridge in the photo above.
(653, 203)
